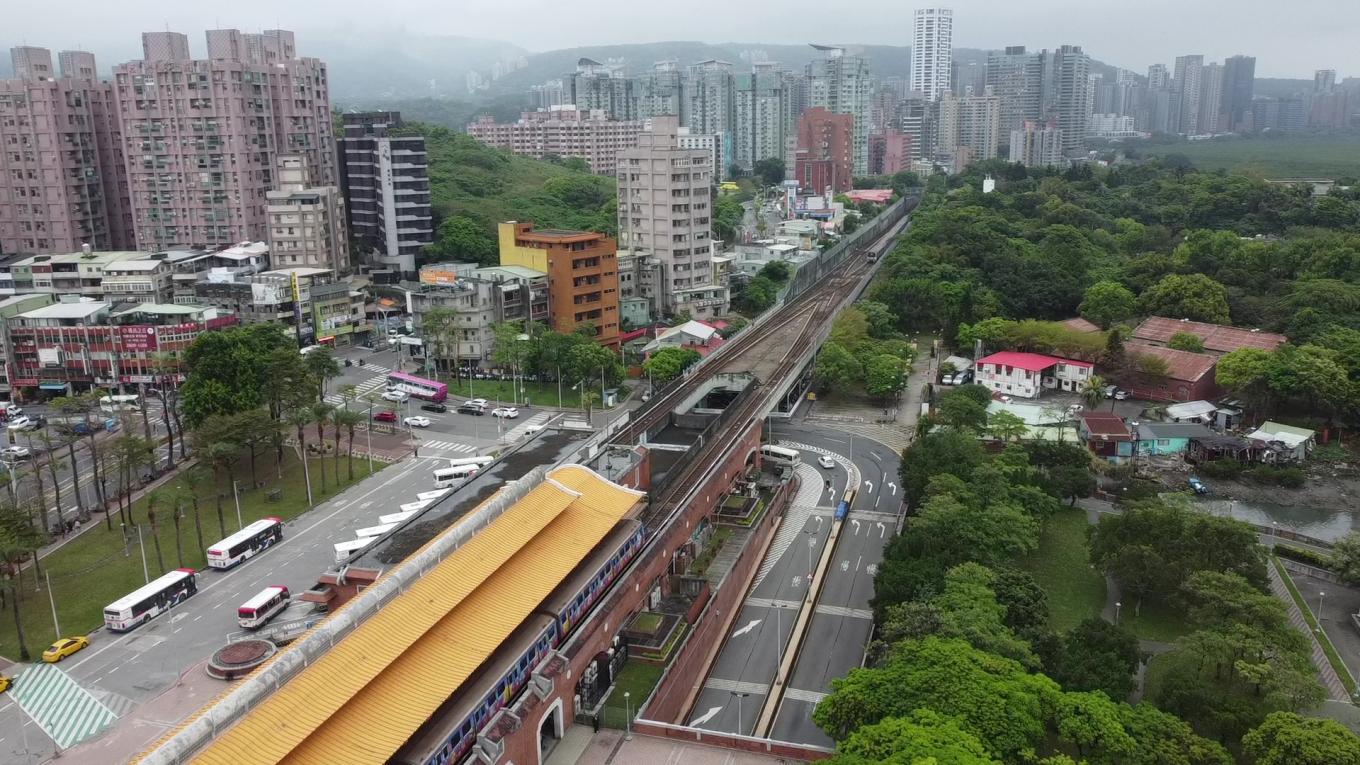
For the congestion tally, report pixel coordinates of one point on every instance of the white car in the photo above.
(417, 422)
(15, 453)
(20, 423)
(395, 395)
(478, 401)
(826, 461)
(508, 412)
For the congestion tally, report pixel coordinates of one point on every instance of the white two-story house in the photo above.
(1028, 374)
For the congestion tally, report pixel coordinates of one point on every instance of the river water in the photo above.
(1323, 523)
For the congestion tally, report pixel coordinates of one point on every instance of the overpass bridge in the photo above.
(485, 640)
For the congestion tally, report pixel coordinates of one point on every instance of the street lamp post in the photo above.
(1117, 606)
(1319, 613)
(236, 497)
(739, 696)
(812, 542)
(368, 434)
(146, 573)
(627, 715)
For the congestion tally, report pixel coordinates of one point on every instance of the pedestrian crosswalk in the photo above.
(67, 712)
(364, 388)
(448, 446)
(522, 429)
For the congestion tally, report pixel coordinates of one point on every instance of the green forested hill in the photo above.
(473, 187)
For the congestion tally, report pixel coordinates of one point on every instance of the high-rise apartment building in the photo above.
(1239, 78)
(919, 123)
(967, 78)
(1017, 78)
(549, 94)
(1324, 80)
(764, 114)
(583, 275)
(665, 212)
(604, 87)
(825, 151)
(562, 132)
(973, 123)
(385, 174)
(202, 136)
(1072, 95)
(841, 84)
(308, 225)
(932, 52)
(660, 91)
(1159, 77)
(1185, 94)
(1038, 145)
(63, 182)
(711, 107)
(1211, 98)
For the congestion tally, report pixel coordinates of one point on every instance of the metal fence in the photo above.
(812, 272)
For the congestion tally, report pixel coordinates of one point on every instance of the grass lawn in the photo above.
(1156, 621)
(1282, 156)
(1060, 566)
(638, 680)
(97, 567)
(645, 622)
(543, 394)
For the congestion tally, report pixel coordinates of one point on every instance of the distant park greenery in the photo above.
(1279, 155)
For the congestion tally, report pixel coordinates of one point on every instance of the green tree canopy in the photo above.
(923, 736)
(1106, 303)
(668, 363)
(1285, 738)
(1186, 341)
(1186, 296)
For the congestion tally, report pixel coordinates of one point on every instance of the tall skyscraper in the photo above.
(919, 123)
(602, 86)
(1158, 77)
(710, 105)
(932, 52)
(1185, 94)
(1016, 77)
(63, 183)
(664, 210)
(1324, 80)
(1072, 95)
(660, 91)
(203, 136)
(841, 84)
(387, 188)
(973, 122)
(1036, 145)
(825, 143)
(1211, 98)
(1239, 77)
(764, 114)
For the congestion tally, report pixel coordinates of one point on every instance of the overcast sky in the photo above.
(1290, 38)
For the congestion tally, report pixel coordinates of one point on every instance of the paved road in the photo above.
(125, 670)
(839, 629)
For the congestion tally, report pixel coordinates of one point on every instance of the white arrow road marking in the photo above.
(869, 484)
(871, 569)
(845, 565)
(705, 717)
(819, 522)
(750, 626)
(882, 530)
(893, 488)
(856, 524)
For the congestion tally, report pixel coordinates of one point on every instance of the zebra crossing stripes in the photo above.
(360, 390)
(522, 429)
(449, 446)
(67, 712)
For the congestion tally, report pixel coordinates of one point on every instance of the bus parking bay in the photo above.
(125, 670)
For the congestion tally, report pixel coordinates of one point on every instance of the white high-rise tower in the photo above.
(932, 52)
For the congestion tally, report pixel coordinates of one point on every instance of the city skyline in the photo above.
(1288, 46)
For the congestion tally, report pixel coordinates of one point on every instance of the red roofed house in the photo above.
(1218, 339)
(1029, 374)
(1106, 435)
(877, 196)
(1189, 377)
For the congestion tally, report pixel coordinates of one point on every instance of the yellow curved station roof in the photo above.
(365, 697)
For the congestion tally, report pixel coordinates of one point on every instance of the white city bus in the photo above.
(266, 604)
(781, 456)
(150, 601)
(446, 478)
(246, 543)
(115, 404)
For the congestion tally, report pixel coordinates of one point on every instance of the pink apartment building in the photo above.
(202, 136)
(564, 131)
(62, 175)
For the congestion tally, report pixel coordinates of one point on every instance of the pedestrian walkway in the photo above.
(727, 557)
(1335, 689)
(67, 712)
(521, 430)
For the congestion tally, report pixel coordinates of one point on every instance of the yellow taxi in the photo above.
(64, 647)
(5, 683)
